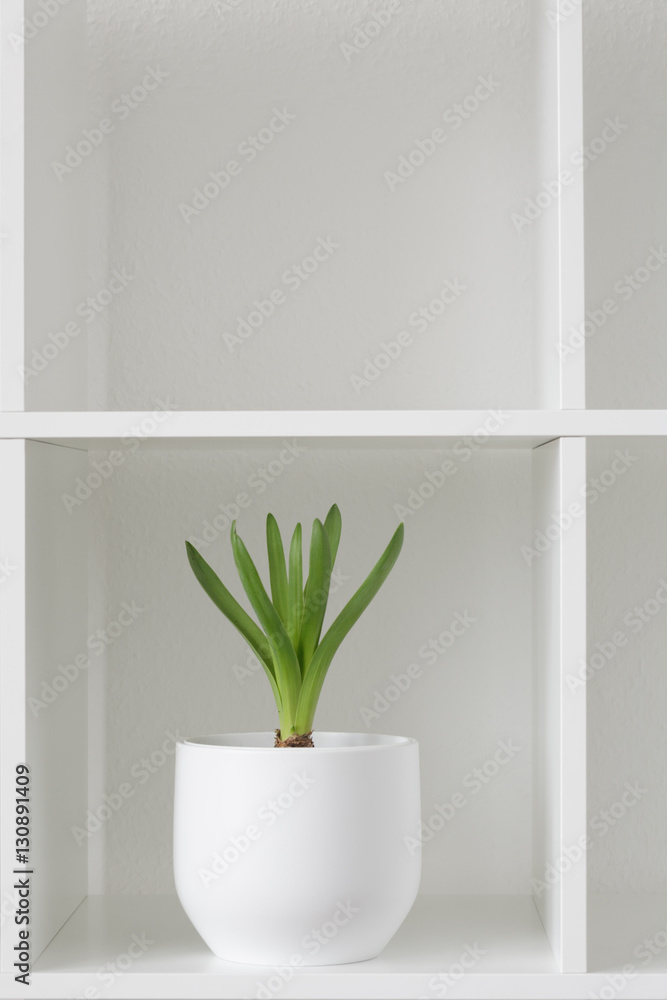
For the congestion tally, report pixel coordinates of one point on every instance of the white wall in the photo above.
(57, 205)
(625, 55)
(173, 667)
(628, 690)
(229, 65)
(625, 58)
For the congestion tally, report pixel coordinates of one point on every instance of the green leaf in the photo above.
(232, 610)
(277, 569)
(295, 611)
(317, 671)
(332, 525)
(316, 594)
(285, 661)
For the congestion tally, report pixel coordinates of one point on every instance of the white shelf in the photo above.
(506, 928)
(490, 428)
(62, 572)
(517, 960)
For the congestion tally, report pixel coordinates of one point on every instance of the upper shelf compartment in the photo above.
(626, 203)
(264, 206)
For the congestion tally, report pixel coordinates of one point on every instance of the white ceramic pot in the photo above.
(296, 856)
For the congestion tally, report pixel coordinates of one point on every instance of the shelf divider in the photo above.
(559, 373)
(558, 563)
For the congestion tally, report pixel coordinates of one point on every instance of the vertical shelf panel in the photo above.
(44, 628)
(560, 375)
(559, 711)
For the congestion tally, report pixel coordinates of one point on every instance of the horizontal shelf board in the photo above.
(433, 938)
(517, 963)
(386, 428)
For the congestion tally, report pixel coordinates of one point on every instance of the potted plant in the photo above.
(290, 849)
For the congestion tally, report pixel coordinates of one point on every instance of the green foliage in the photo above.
(288, 641)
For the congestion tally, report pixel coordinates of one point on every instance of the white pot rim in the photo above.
(262, 742)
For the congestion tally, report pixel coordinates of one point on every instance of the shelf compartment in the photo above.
(627, 696)
(464, 557)
(625, 125)
(426, 280)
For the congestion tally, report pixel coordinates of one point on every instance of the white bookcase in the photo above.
(97, 494)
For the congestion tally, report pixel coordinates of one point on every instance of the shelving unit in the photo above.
(500, 522)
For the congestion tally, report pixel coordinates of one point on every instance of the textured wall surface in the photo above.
(627, 604)
(624, 72)
(625, 59)
(173, 667)
(357, 111)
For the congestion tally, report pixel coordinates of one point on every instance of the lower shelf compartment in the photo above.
(144, 946)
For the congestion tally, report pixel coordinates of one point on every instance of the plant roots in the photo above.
(296, 740)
